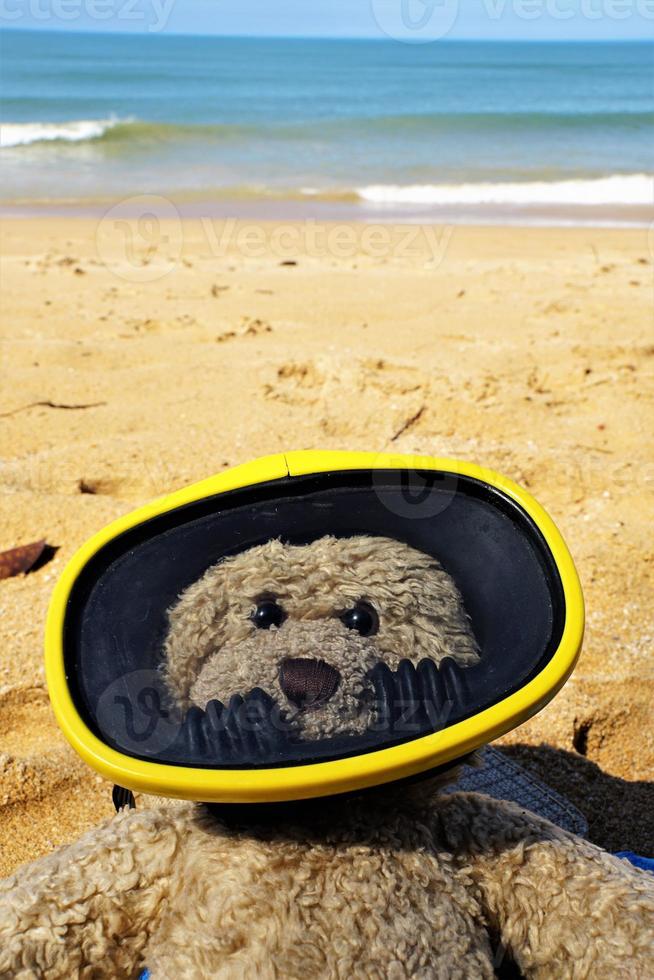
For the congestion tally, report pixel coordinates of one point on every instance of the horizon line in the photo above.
(324, 37)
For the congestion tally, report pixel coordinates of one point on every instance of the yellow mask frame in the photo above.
(273, 476)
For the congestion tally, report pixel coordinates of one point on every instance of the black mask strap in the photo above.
(123, 797)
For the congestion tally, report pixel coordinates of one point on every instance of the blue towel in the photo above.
(144, 974)
(647, 864)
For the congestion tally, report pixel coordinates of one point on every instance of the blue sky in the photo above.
(416, 20)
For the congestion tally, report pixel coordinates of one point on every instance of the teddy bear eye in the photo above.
(362, 617)
(268, 613)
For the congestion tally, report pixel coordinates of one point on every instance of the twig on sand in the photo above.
(49, 404)
(409, 422)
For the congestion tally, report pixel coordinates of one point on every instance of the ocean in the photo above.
(487, 131)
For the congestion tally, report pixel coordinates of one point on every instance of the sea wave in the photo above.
(617, 189)
(75, 131)
(115, 130)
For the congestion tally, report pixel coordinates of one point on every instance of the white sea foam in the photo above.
(76, 131)
(618, 189)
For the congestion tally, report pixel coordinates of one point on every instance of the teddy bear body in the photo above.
(397, 882)
(440, 887)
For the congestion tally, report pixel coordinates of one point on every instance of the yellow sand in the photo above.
(529, 350)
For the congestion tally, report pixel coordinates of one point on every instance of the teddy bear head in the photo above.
(307, 624)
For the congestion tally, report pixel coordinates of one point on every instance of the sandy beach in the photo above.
(138, 359)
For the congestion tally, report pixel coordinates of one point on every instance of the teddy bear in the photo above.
(395, 882)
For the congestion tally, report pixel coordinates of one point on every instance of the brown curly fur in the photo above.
(392, 884)
(402, 889)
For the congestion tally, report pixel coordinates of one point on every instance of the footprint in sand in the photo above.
(296, 383)
(27, 724)
(249, 328)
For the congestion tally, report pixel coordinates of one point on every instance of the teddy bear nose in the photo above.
(306, 682)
